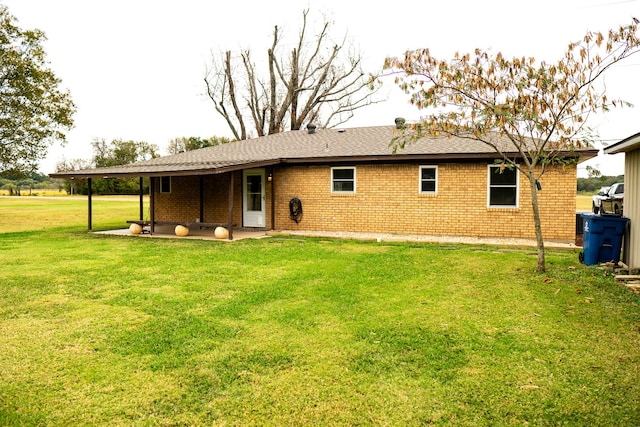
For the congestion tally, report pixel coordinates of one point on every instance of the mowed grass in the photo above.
(39, 213)
(37, 192)
(104, 330)
(583, 202)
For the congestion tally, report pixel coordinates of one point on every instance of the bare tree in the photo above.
(183, 143)
(319, 81)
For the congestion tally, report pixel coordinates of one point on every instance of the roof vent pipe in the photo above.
(311, 128)
(400, 123)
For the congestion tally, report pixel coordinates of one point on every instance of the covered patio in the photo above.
(199, 199)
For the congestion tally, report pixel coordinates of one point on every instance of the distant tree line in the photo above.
(25, 184)
(593, 184)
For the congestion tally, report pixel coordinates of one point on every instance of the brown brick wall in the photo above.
(183, 203)
(387, 200)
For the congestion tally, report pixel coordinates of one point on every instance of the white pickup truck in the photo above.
(612, 204)
(596, 200)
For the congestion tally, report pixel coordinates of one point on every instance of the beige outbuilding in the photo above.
(631, 148)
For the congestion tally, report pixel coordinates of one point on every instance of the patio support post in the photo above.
(273, 202)
(89, 202)
(230, 226)
(141, 200)
(201, 199)
(152, 203)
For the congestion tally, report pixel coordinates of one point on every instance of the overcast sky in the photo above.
(135, 67)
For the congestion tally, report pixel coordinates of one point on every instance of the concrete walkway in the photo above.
(379, 237)
(383, 237)
(193, 234)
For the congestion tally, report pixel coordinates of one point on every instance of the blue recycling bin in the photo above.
(602, 240)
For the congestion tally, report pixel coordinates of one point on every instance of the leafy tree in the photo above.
(120, 152)
(115, 153)
(541, 108)
(34, 112)
(74, 186)
(318, 81)
(182, 144)
(593, 172)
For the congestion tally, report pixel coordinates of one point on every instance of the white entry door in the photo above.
(254, 213)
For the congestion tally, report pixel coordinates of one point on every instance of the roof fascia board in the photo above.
(583, 155)
(192, 172)
(627, 144)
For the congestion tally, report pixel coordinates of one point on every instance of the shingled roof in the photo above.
(349, 145)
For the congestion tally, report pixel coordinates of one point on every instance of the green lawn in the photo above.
(39, 213)
(120, 331)
(583, 202)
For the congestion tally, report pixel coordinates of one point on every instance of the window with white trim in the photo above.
(165, 184)
(343, 179)
(503, 184)
(428, 179)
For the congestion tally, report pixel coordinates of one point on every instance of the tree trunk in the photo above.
(293, 90)
(272, 86)
(536, 221)
(232, 97)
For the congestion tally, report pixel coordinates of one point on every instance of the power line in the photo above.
(609, 4)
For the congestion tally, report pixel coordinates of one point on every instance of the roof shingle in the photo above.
(328, 145)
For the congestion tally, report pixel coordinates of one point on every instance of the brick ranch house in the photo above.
(348, 180)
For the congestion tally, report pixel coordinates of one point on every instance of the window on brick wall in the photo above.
(165, 184)
(502, 187)
(343, 179)
(428, 179)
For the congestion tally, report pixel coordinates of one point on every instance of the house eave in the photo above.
(159, 171)
(193, 170)
(628, 144)
(400, 158)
